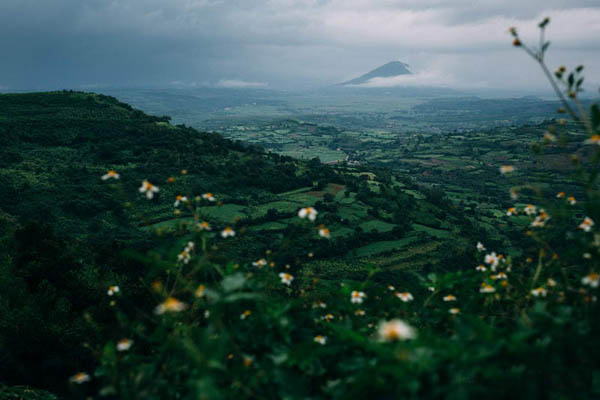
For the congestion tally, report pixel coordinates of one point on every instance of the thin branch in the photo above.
(584, 117)
(560, 95)
(541, 53)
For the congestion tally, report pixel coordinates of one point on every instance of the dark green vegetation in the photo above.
(64, 228)
(59, 144)
(460, 167)
(404, 210)
(23, 392)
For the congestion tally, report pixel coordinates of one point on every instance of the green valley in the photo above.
(379, 238)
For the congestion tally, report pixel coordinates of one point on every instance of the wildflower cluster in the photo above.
(186, 255)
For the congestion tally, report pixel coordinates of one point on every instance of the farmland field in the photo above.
(398, 150)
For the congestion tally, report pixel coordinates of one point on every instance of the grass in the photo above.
(281, 206)
(301, 190)
(227, 213)
(341, 232)
(169, 225)
(384, 246)
(438, 233)
(304, 199)
(415, 194)
(387, 253)
(352, 214)
(269, 226)
(376, 225)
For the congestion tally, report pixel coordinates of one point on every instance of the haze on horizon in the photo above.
(289, 44)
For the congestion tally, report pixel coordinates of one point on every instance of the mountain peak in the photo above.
(393, 68)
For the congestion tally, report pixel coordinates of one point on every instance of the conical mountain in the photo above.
(388, 70)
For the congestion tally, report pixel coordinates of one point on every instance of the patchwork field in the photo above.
(369, 234)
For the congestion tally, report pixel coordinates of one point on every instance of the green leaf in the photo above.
(233, 282)
(230, 267)
(279, 357)
(545, 46)
(232, 298)
(544, 22)
(109, 354)
(108, 391)
(348, 334)
(212, 295)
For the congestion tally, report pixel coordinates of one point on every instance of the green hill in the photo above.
(63, 229)
(67, 235)
(272, 313)
(55, 146)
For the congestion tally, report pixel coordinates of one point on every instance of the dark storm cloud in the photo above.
(290, 43)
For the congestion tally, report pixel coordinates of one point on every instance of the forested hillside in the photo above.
(139, 259)
(66, 230)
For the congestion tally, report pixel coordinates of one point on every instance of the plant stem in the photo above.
(557, 90)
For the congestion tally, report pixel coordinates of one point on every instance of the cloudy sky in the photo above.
(286, 43)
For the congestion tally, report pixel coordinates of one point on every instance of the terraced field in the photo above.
(376, 239)
(452, 180)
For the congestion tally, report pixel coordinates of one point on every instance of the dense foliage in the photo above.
(65, 231)
(162, 291)
(62, 231)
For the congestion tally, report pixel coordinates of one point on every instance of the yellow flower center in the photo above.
(172, 303)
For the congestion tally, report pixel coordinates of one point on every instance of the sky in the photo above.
(288, 44)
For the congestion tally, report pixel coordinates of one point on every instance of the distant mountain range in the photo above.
(388, 70)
